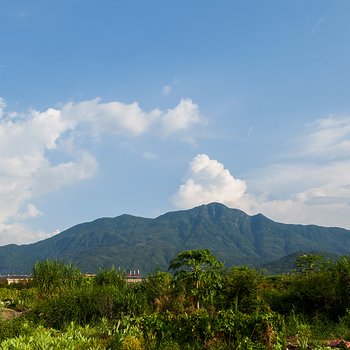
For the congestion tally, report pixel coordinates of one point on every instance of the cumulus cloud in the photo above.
(183, 116)
(312, 187)
(208, 181)
(130, 119)
(54, 177)
(111, 117)
(28, 140)
(27, 173)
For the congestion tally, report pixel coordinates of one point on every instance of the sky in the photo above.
(143, 107)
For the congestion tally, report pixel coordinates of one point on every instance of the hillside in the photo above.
(131, 242)
(286, 264)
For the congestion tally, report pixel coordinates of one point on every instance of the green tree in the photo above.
(307, 263)
(201, 270)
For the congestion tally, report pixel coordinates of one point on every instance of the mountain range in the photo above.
(129, 242)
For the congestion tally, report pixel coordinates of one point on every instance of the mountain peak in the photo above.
(131, 242)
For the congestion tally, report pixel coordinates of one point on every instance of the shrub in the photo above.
(41, 338)
(226, 329)
(157, 289)
(240, 289)
(89, 303)
(111, 277)
(53, 276)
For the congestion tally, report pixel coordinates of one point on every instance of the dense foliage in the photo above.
(201, 306)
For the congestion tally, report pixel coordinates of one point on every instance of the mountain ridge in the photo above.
(132, 242)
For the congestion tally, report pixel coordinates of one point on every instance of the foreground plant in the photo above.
(74, 337)
(53, 276)
(199, 271)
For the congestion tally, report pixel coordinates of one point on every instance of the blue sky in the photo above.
(143, 107)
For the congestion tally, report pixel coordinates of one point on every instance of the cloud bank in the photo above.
(28, 141)
(312, 185)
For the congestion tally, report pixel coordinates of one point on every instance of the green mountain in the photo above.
(131, 242)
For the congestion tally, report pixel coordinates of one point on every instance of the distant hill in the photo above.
(286, 264)
(131, 242)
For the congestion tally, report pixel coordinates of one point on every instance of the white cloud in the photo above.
(317, 25)
(315, 186)
(2, 107)
(312, 187)
(112, 117)
(150, 155)
(322, 161)
(329, 137)
(130, 119)
(28, 140)
(166, 89)
(208, 181)
(182, 117)
(325, 211)
(31, 212)
(54, 177)
(21, 234)
(27, 173)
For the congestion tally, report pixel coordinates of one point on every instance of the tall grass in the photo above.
(53, 276)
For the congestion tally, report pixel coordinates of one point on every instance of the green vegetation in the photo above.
(202, 306)
(54, 276)
(130, 242)
(197, 270)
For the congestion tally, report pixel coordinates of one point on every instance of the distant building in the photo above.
(134, 276)
(15, 279)
(89, 275)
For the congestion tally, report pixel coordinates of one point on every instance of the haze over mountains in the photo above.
(131, 242)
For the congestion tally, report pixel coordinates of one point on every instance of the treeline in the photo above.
(197, 304)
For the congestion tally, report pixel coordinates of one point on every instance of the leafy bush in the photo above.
(111, 277)
(314, 292)
(14, 328)
(201, 329)
(8, 294)
(41, 338)
(240, 289)
(158, 291)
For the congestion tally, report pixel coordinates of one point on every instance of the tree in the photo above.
(201, 270)
(307, 263)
